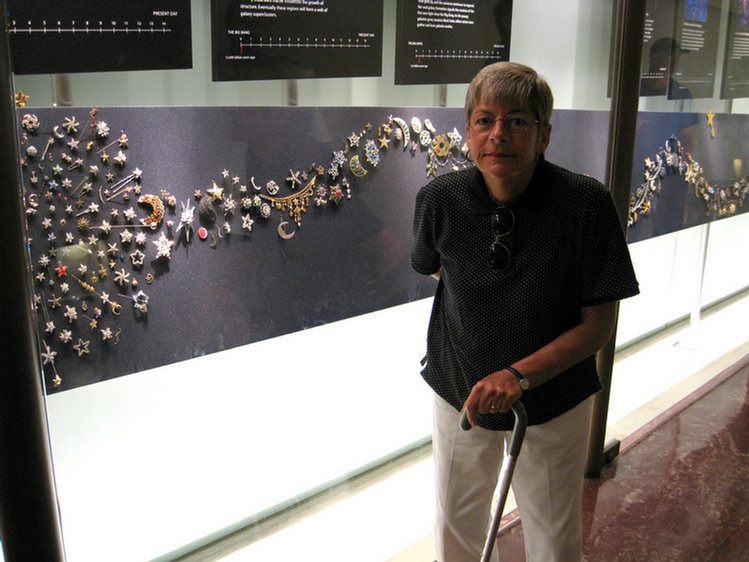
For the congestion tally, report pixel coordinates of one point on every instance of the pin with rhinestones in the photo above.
(122, 140)
(372, 152)
(102, 129)
(90, 125)
(120, 187)
(356, 168)
(48, 357)
(140, 301)
(30, 122)
(271, 187)
(50, 142)
(294, 179)
(186, 219)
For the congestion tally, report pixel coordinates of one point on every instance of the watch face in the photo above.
(522, 381)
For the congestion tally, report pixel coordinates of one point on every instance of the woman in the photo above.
(531, 262)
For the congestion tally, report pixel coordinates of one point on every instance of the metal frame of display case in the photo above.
(627, 51)
(29, 516)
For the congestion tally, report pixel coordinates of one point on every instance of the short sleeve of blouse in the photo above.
(425, 258)
(607, 273)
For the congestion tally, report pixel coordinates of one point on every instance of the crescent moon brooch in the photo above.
(157, 207)
(356, 168)
(405, 131)
(282, 231)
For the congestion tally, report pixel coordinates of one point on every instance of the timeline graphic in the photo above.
(98, 35)
(421, 55)
(87, 27)
(449, 41)
(306, 43)
(287, 39)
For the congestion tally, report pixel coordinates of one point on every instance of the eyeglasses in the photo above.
(515, 124)
(502, 222)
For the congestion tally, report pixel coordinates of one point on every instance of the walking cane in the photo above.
(505, 473)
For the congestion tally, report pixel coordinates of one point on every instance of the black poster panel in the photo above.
(693, 69)
(442, 42)
(735, 82)
(659, 47)
(290, 39)
(49, 37)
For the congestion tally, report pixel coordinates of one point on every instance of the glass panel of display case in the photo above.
(229, 327)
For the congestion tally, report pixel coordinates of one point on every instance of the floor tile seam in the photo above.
(619, 485)
(631, 441)
(690, 540)
(734, 528)
(627, 479)
(722, 471)
(607, 521)
(667, 546)
(715, 551)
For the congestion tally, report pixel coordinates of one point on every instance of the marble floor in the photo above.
(679, 490)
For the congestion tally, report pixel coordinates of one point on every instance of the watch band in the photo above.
(522, 381)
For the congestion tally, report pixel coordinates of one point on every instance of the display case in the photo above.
(226, 327)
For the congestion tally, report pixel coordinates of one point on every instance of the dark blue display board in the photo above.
(306, 215)
(162, 234)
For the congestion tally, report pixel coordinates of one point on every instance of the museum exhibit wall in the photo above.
(224, 403)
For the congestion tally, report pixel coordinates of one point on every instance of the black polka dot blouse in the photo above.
(567, 250)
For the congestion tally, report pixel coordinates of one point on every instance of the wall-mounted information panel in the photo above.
(290, 39)
(680, 48)
(697, 29)
(54, 36)
(736, 62)
(441, 42)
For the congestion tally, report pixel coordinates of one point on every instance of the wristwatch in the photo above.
(522, 381)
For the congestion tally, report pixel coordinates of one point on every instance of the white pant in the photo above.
(547, 484)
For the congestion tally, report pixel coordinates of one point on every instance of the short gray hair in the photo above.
(510, 82)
